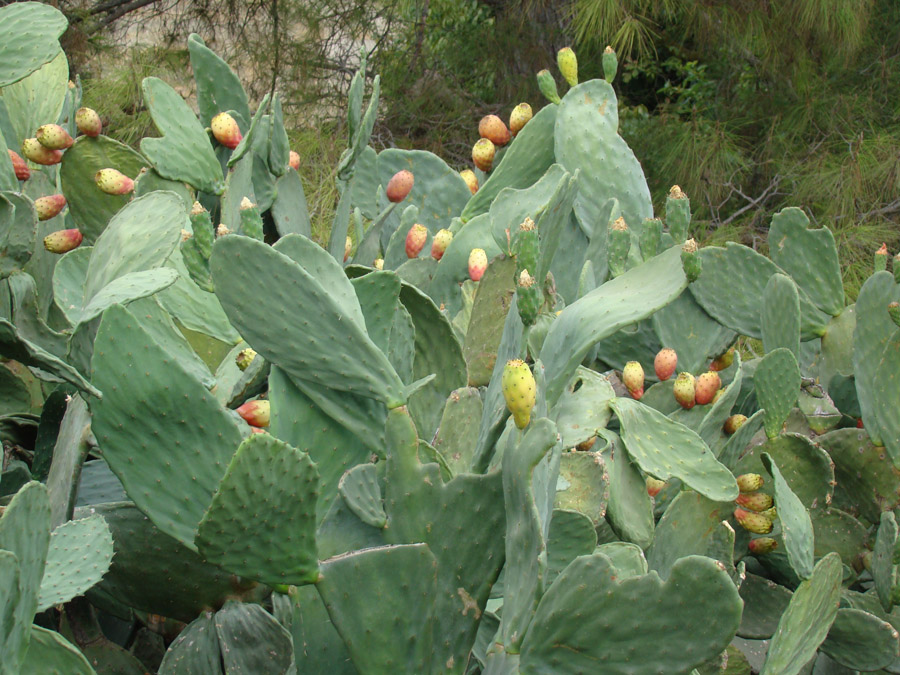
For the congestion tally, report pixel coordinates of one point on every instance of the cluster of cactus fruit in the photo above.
(503, 422)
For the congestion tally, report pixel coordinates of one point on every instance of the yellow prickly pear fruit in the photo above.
(755, 501)
(762, 545)
(519, 390)
(568, 65)
(519, 117)
(757, 523)
(378, 264)
(654, 485)
(245, 358)
(483, 154)
(633, 378)
(471, 180)
(749, 482)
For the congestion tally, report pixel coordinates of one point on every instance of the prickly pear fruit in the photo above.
(477, 264)
(585, 446)
(48, 207)
(529, 298)
(492, 128)
(618, 246)
(399, 185)
(762, 545)
(749, 482)
(37, 153)
(881, 257)
(519, 390)
(348, 246)
(733, 423)
(255, 413)
(771, 513)
(568, 65)
(483, 154)
(705, 387)
(894, 312)
(54, 137)
(654, 485)
(684, 390)
(378, 264)
(88, 122)
(20, 166)
(665, 362)
(547, 85)
(526, 246)
(722, 361)
(519, 117)
(251, 220)
(633, 378)
(415, 240)
(294, 160)
(650, 237)
(755, 501)
(225, 130)
(690, 260)
(113, 182)
(440, 243)
(753, 522)
(471, 180)
(610, 64)
(245, 358)
(63, 241)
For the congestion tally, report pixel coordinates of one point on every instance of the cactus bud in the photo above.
(881, 257)
(348, 247)
(483, 154)
(684, 390)
(225, 130)
(378, 264)
(245, 358)
(471, 180)
(20, 166)
(755, 501)
(665, 362)
(610, 64)
(894, 312)
(633, 378)
(568, 65)
(654, 485)
(753, 522)
(722, 361)
(705, 387)
(88, 122)
(399, 186)
(547, 85)
(294, 160)
(54, 137)
(492, 128)
(477, 264)
(690, 260)
(48, 207)
(519, 390)
(63, 241)
(222, 229)
(762, 545)
(37, 153)
(519, 117)
(749, 482)
(440, 243)
(255, 413)
(197, 208)
(113, 182)
(415, 240)
(733, 423)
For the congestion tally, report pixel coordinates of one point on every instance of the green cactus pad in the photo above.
(36, 99)
(627, 558)
(149, 181)
(362, 494)
(218, 88)
(629, 510)
(633, 622)
(79, 555)
(780, 316)
(807, 620)
(195, 650)
(741, 438)
(571, 535)
(317, 646)
(810, 256)
(860, 641)
(764, 603)
(50, 652)
(69, 453)
(12, 631)
(583, 407)
(628, 298)
(796, 526)
(684, 326)
(134, 368)
(511, 206)
(362, 132)
(457, 434)
(387, 622)
(732, 288)
(251, 640)
(886, 387)
(664, 448)
(883, 561)
(838, 531)
(270, 536)
(184, 153)
(36, 29)
(777, 384)
(583, 485)
(492, 300)
(8, 180)
(18, 224)
(554, 222)
(289, 210)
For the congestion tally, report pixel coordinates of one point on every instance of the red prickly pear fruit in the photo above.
(415, 240)
(722, 361)
(753, 522)
(568, 65)
(749, 482)
(664, 363)
(483, 154)
(633, 377)
(440, 243)
(88, 122)
(705, 387)
(63, 241)
(762, 545)
(54, 137)
(348, 246)
(492, 128)
(755, 501)
(37, 153)
(20, 166)
(378, 264)
(859, 423)
(654, 485)
(734, 423)
(113, 182)
(225, 130)
(399, 185)
(471, 180)
(477, 264)
(881, 257)
(684, 390)
(519, 117)
(294, 160)
(48, 207)
(255, 413)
